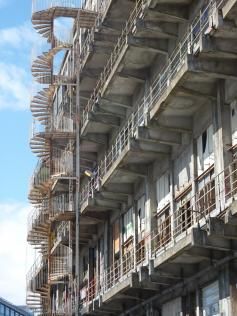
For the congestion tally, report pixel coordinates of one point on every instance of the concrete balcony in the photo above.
(140, 42)
(99, 41)
(188, 243)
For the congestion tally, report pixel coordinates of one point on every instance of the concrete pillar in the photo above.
(172, 202)
(222, 139)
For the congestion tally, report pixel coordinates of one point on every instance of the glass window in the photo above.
(1, 309)
(7, 311)
(12, 313)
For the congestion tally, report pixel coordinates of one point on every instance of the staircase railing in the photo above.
(42, 5)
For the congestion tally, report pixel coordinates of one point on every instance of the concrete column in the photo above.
(222, 139)
(194, 175)
(172, 202)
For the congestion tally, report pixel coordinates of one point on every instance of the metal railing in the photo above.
(62, 163)
(62, 204)
(42, 5)
(38, 218)
(130, 23)
(37, 276)
(89, 39)
(61, 233)
(195, 31)
(206, 203)
(41, 175)
(60, 263)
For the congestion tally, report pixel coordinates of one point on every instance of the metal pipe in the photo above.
(77, 197)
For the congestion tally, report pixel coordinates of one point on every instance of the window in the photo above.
(182, 170)
(127, 225)
(183, 213)
(205, 152)
(206, 193)
(12, 313)
(116, 239)
(234, 122)
(1, 310)
(210, 299)
(141, 216)
(163, 191)
(7, 311)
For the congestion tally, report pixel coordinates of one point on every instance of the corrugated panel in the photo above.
(172, 308)
(210, 300)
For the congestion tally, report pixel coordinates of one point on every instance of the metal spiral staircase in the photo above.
(52, 127)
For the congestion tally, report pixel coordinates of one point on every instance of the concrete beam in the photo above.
(218, 47)
(108, 110)
(151, 147)
(118, 188)
(214, 69)
(117, 100)
(160, 47)
(133, 172)
(190, 93)
(106, 120)
(106, 38)
(91, 73)
(166, 13)
(200, 238)
(217, 228)
(157, 28)
(138, 76)
(101, 139)
(173, 123)
(158, 135)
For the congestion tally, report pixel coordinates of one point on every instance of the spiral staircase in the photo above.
(52, 131)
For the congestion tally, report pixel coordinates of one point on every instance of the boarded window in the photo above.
(172, 308)
(205, 154)
(182, 170)
(163, 191)
(116, 239)
(210, 300)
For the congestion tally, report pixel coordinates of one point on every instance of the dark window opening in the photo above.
(204, 141)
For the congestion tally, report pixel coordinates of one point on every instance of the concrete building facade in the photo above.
(134, 196)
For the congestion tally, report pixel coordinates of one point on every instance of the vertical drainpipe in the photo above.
(77, 197)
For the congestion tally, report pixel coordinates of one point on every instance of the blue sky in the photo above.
(16, 159)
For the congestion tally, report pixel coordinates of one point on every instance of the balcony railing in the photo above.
(89, 39)
(206, 203)
(42, 5)
(61, 233)
(63, 204)
(62, 162)
(61, 263)
(137, 11)
(158, 87)
(38, 220)
(41, 175)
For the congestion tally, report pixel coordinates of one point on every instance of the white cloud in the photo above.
(13, 263)
(14, 87)
(21, 36)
